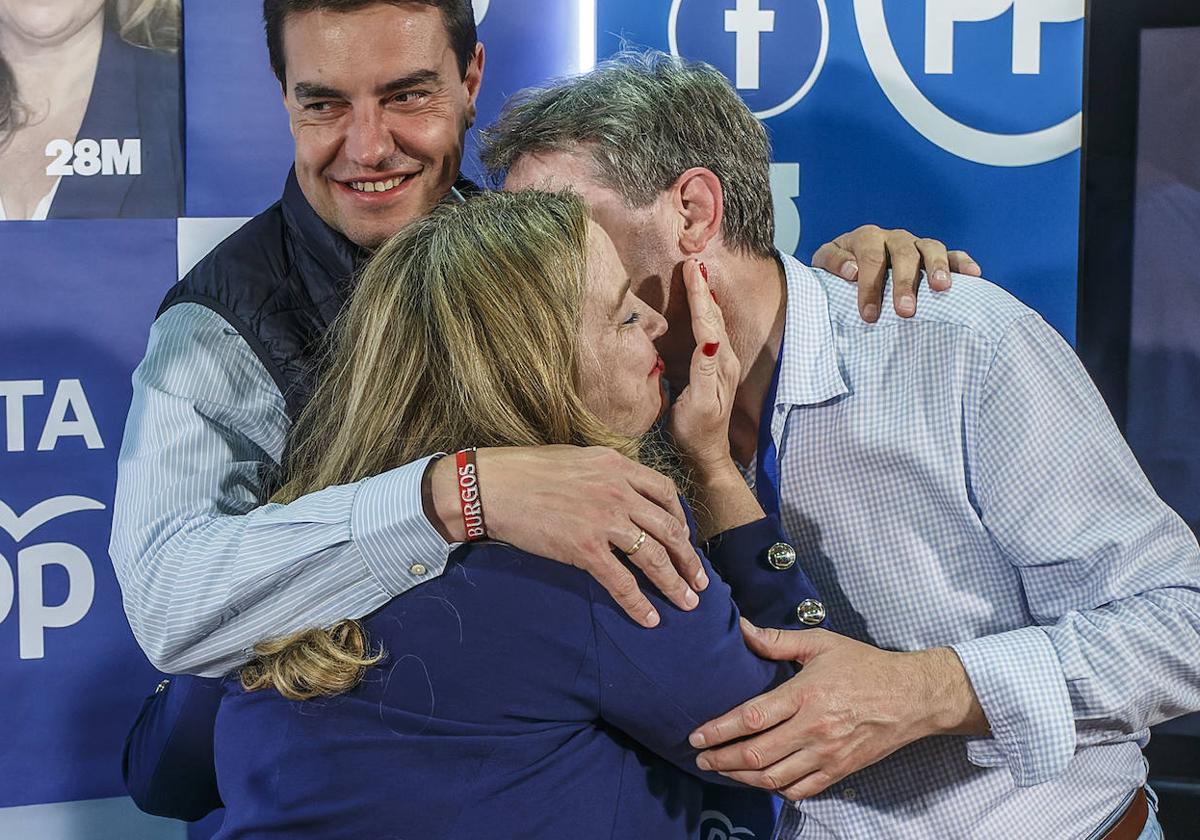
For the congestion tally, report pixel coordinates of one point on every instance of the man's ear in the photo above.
(700, 203)
(472, 80)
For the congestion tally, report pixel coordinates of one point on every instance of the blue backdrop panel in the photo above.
(125, 160)
(238, 145)
(239, 148)
(936, 134)
(526, 42)
(78, 301)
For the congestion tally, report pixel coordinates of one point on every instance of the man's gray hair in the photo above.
(647, 118)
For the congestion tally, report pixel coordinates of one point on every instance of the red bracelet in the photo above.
(469, 496)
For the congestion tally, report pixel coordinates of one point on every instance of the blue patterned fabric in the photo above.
(955, 480)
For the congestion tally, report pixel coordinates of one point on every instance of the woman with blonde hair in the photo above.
(89, 109)
(509, 697)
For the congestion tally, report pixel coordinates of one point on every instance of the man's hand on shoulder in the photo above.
(576, 505)
(850, 706)
(865, 254)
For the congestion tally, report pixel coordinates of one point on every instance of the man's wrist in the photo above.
(951, 707)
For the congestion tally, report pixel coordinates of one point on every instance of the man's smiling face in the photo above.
(378, 110)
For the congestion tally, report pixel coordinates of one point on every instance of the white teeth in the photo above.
(376, 186)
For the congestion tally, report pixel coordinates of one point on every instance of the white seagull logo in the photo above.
(19, 527)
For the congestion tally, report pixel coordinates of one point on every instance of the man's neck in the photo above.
(752, 292)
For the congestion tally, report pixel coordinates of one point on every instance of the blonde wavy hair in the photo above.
(463, 330)
(153, 24)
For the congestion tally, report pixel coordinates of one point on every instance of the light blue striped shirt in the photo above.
(955, 479)
(206, 569)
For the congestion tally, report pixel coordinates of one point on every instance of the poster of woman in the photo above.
(90, 109)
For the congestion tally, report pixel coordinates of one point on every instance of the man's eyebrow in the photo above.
(412, 80)
(312, 90)
(315, 90)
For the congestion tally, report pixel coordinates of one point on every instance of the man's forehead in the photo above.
(367, 46)
(557, 170)
(552, 170)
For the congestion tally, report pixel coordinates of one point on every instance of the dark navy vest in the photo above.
(280, 281)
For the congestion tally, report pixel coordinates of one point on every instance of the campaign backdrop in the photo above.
(957, 119)
(125, 159)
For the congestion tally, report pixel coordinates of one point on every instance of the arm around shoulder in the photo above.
(206, 568)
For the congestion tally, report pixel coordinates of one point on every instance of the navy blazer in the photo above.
(510, 681)
(135, 94)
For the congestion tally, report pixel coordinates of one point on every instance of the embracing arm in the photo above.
(1110, 574)
(206, 569)
(168, 762)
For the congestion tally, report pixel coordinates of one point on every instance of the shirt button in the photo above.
(811, 612)
(850, 794)
(781, 556)
(418, 569)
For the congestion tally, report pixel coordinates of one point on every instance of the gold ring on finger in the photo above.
(637, 544)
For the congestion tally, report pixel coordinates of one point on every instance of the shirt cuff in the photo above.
(767, 596)
(1021, 687)
(388, 525)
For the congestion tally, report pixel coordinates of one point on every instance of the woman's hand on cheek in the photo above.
(699, 420)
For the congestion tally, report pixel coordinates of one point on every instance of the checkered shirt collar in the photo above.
(811, 373)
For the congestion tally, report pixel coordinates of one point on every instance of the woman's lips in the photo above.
(658, 366)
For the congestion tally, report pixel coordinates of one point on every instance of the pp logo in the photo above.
(716, 826)
(1009, 95)
(773, 50)
(35, 616)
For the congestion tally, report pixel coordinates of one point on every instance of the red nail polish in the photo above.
(704, 272)
(711, 348)
(714, 296)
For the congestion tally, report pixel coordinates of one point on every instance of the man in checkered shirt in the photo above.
(1016, 604)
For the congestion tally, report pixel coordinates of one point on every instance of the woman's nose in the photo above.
(655, 323)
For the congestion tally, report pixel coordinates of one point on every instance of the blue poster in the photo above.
(89, 111)
(957, 119)
(79, 297)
